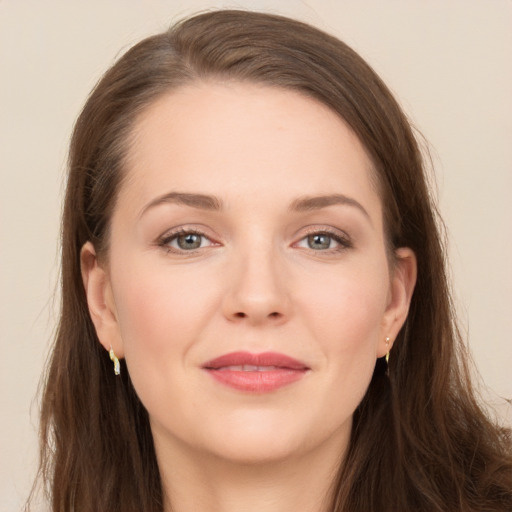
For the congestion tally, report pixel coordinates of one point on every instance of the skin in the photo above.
(256, 283)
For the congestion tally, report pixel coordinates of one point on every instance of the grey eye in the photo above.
(319, 241)
(189, 241)
(185, 241)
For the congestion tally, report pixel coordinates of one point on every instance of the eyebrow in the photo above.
(309, 203)
(213, 203)
(200, 201)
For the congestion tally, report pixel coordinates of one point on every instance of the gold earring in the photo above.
(387, 345)
(117, 366)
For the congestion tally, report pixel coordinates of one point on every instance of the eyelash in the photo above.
(343, 241)
(169, 237)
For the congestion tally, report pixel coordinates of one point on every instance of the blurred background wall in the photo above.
(447, 61)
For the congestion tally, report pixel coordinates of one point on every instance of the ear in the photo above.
(403, 280)
(100, 300)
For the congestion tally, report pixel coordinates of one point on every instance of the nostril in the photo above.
(241, 314)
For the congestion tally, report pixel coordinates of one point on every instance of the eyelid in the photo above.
(342, 238)
(171, 234)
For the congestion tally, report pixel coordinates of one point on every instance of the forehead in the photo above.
(238, 139)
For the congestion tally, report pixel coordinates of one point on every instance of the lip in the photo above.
(263, 373)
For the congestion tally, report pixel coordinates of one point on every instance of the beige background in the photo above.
(448, 62)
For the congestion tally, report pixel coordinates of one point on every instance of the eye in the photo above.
(189, 241)
(185, 240)
(319, 241)
(324, 241)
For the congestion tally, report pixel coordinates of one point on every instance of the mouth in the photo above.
(256, 373)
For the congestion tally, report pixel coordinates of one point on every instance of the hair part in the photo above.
(420, 441)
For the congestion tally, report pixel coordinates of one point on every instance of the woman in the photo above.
(255, 311)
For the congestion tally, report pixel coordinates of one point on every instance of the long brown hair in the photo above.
(419, 441)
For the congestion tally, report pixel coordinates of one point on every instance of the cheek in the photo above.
(347, 312)
(347, 324)
(160, 312)
(161, 315)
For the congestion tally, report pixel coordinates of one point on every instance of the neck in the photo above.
(193, 481)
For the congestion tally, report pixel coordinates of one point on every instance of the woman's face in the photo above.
(248, 284)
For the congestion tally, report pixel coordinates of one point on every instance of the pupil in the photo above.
(190, 241)
(319, 241)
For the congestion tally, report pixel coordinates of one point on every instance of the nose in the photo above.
(258, 289)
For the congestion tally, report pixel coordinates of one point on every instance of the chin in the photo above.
(262, 438)
(255, 449)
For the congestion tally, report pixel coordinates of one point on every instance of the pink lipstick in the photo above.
(256, 373)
